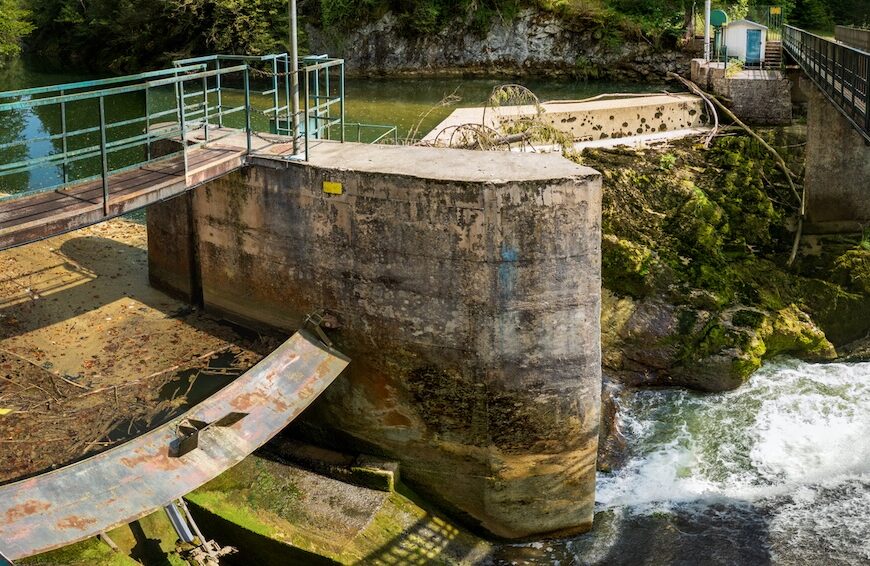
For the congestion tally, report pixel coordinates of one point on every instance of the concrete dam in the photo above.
(465, 287)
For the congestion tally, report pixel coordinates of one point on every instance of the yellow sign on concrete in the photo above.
(333, 188)
(775, 10)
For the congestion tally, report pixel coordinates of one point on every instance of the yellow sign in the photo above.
(333, 188)
(775, 10)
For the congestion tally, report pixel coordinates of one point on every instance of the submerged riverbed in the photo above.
(777, 472)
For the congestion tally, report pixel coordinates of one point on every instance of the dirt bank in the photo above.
(91, 355)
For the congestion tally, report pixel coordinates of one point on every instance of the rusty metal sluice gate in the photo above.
(150, 472)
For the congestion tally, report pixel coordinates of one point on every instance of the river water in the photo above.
(408, 104)
(777, 472)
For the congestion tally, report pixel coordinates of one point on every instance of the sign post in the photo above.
(707, 9)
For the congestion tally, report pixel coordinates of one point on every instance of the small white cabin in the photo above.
(745, 40)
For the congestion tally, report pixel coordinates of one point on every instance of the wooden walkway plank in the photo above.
(33, 217)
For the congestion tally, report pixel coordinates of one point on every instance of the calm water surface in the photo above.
(405, 103)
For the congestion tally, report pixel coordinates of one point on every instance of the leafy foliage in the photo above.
(14, 26)
(127, 35)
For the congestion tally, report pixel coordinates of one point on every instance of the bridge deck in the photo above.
(840, 72)
(41, 215)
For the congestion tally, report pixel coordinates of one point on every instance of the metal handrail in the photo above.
(197, 82)
(841, 72)
(98, 82)
(389, 132)
(189, 117)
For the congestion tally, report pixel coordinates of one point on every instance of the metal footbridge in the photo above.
(200, 120)
(841, 72)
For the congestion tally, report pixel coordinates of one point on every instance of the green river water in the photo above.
(404, 103)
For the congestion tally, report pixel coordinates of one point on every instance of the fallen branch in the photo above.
(697, 90)
(159, 373)
(789, 175)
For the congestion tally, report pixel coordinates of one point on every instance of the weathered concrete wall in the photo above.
(466, 289)
(613, 117)
(172, 265)
(838, 168)
(757, 97)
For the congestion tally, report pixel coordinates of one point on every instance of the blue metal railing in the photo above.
(321, 89)
(197, 94)
(190, 112)
(841, 72)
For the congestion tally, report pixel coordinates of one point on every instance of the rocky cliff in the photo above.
(533, 43)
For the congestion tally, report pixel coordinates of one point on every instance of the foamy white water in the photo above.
(793, 443)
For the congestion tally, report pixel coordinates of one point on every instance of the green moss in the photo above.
(627, 268)
(150, 540)
(748, 318)
(852, 270)
(250, 485)
(793, 332)
(398, 531)
(86, 553)
(707, 232)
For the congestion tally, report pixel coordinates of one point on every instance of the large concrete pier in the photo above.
(837, 168)
(464, 285)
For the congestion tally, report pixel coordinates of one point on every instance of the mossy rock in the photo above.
(627, 268)
(852, 270)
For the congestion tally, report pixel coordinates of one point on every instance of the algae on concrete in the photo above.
(277, 509)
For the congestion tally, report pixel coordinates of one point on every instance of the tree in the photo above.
(812, 14)
(14, 26)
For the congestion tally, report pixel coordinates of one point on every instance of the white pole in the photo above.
(294, 69)
(707, 10)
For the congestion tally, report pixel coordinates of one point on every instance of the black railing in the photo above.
(841, 73)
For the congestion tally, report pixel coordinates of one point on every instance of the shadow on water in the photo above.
(726, 533)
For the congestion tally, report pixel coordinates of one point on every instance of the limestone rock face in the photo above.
(534, 42)
(653, 342)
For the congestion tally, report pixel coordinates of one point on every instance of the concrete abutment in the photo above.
(837, 168)
(465, 286)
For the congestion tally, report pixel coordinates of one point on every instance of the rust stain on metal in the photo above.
(119, 485)
(247, 401)
(30, 507)
(74, 522)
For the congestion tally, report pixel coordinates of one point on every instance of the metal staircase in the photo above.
(773, 55)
